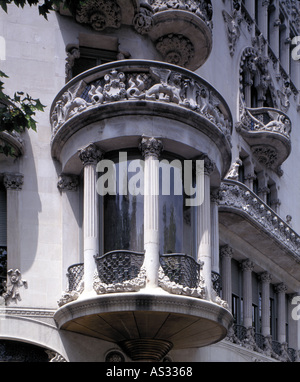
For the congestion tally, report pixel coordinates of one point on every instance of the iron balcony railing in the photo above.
(3, 268)
(122, 265)
(240, 333)
(75, 276)
(119, 266)
(181, 269)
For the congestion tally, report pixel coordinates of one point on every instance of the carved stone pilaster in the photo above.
(151, 147)
(90, 154)
(67, 182)
(13, 181)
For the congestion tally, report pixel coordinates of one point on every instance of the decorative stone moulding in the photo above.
(267, 131)
(235, 197)
(139, 87)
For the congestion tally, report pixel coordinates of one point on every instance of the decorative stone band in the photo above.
(139, 80)
(236, 195)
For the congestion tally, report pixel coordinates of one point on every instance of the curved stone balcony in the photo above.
(242, 211)
(144, 89)
(145, 323)
(182, 31)
(267, 131)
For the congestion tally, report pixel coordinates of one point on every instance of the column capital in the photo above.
(265, 277)
(280, 288)
(67, 182)
(226, 251)
(209, 165)
(90, 154)
(247, 265)
(13, 181)
(151, 147)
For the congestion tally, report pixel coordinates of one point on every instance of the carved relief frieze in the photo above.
(154, 84)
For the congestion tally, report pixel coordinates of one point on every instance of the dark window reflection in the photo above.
(124, 214)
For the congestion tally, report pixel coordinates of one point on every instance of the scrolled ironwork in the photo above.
(119, 266)
(181, 269)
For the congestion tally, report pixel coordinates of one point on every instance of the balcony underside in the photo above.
(270, 148)
(251, 237)
(152, 323)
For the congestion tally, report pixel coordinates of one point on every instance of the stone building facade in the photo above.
(98, 261)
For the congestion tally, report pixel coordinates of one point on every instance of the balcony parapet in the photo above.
(122, 271)
(236, 197)
(138, 87)
(248, 338)
(267, 131)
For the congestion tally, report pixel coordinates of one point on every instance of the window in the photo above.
(123, 212)
(90, 57)
(3, 236)
(123, 218)
(83, 58)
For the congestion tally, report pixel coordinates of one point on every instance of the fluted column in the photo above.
(204, 223)
(247, 268)
(215, 231)
(226, 253)
(89, 156)
(281, 314)
(151, 149)
(265, 278)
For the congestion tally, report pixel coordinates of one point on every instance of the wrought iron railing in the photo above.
(119, 266)
(259, 340)
(292, 354)
(75, 276)
(3, 268)
(240, 332)
(181, 269)
(276, 346)
(216, 282)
